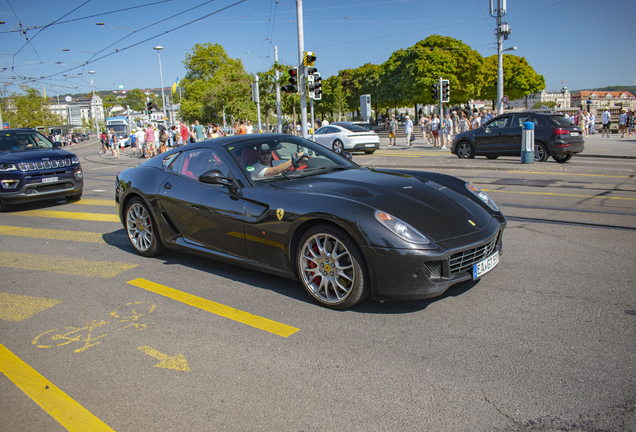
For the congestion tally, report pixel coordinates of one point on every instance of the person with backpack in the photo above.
(133, 142)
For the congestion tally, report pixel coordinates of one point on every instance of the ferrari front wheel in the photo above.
(331, 267)
(141, 229)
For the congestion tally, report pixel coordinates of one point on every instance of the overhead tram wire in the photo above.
(271, 37)
(148, 39)
(151, 25)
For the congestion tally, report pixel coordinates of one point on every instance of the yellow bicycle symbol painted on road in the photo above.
(128, 313)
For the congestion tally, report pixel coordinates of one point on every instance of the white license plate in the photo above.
(574, 134)
(49, 180)
(370, 145)
(484, 266)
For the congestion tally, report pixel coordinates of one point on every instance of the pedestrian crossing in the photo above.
(66, 217)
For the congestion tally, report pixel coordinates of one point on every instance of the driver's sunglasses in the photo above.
(263, 153)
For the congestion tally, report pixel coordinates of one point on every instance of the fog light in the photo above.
(79, 175)
(10, 184)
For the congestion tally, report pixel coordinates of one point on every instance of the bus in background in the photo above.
(119, 125)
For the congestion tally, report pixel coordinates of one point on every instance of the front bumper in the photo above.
(32, 186)
(414, 274)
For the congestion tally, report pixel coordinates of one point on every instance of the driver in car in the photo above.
(267, 167)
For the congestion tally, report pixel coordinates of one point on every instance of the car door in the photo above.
(206, 215)
(319, 136)
(489, 140)
(512, 134)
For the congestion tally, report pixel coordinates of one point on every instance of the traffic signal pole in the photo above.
(301, 68)
(279, 121)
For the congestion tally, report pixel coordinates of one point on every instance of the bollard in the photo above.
(527, 143)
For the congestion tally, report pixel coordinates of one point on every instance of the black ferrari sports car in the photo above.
(290, 207)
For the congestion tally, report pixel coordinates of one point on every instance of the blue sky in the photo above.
(587, 44)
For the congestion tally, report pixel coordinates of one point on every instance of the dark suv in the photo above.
(33, 168)
(554, 135)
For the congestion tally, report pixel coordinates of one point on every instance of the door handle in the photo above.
(167, 186)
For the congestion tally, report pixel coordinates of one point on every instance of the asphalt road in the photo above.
(543, 343)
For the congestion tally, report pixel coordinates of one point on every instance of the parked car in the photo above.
(288, 206)
(554, 136)
(341, 136)
(32, 168)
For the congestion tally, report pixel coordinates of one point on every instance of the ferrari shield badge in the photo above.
(279, 213)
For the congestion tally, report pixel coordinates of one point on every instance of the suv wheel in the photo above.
(540, 152)
(562, 158)
(465, 150)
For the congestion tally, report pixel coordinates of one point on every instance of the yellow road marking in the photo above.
(96, 202)
(50, 398)
(16, 308)
(559, 194)
(568, 174)
(216, 308)
(52, 234)
(70, 266)
(70, 215)
(177, 362)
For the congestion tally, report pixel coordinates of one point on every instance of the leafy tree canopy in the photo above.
(28, 110)
(520, 79)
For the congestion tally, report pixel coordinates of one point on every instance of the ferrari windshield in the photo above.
(268, 158)
(23, 140)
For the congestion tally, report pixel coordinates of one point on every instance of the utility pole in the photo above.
(258, 101)
(502, 32)
(279, 121)
(301, 68)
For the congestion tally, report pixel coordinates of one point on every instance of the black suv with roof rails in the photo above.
(32, 168)
(554, 135)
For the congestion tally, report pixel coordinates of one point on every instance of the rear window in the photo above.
(559, 120)
(354, 128)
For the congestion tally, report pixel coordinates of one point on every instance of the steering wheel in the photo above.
(298, 167)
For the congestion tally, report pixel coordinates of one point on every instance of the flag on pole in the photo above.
(44, 91)
(174, 86)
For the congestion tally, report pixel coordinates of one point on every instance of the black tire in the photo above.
(369, 151)
(338, 148)
(540, 152)
(331, 267)
(562, 158)
(75, 197)
(465, 150)
(492, 157)
(141, 228)
(3, 206)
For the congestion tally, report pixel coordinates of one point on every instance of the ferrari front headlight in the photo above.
(401, 228)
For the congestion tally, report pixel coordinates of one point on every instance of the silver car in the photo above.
(346, 136)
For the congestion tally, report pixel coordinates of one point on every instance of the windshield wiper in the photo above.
(312, 171)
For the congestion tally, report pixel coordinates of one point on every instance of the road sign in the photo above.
(504, 99)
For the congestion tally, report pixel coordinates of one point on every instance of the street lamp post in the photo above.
(163, 97)
(93, 108)
(502, 32)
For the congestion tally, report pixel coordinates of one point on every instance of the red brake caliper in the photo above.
(313, 264)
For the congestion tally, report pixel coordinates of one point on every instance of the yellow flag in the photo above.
(174, 87)
(44, 90)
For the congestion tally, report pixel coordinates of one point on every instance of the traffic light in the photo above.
(445, 91)
(315, 86)
(435, 89)
(149, 107)
(292, 87)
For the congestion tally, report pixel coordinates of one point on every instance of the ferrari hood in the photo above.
(434, 209)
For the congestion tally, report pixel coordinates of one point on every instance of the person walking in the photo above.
(393, 130)
(198, 131)
(141, 137)
(435, 131)
(249, 128)
(622, 123)
(408, 130)
(185, 134)
(583, 122)
(464, 124)
(607, 119)
(447, 131)
(150, 142)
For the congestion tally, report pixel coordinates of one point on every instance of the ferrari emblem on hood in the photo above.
(279, 213)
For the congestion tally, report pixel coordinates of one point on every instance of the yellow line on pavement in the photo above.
(216, 308)
(98, 217)
(96, 202)
(559, 194)
(49, 397)
(70, 266)
(568, 174)
(52, 234)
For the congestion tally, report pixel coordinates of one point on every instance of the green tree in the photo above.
(409, 73)
(215, 82)
(136, 100)
(520, 79)
(28, 110)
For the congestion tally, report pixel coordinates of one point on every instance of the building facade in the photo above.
(561, 99)
(604, 99)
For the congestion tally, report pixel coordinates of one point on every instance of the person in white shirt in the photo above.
(607, 119)
(324, 122)
(249, 127)
(266, 166)
(408, 130)
(622, 123)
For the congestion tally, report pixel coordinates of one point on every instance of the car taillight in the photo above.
(561, 131)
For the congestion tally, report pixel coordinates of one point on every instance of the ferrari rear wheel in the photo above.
(141, 229)
(338, 147)
(331, 267)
